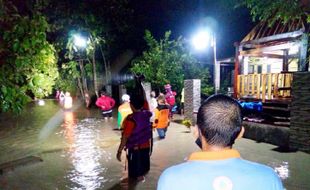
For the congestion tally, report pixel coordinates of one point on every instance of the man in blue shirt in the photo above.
(218, 166)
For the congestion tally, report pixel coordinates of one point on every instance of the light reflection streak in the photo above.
(283, 170)
(54, 122)
(84, 154)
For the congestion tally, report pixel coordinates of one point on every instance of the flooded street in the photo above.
(76, 150)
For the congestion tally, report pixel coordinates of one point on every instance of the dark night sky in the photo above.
(182, 17)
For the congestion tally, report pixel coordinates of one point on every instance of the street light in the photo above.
(79, 41)
(201, 40)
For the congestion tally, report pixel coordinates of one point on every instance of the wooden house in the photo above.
(266, 59)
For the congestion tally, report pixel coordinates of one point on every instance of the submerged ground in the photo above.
(76, 150)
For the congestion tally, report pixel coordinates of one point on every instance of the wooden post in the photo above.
(285, 60)
(237, 65)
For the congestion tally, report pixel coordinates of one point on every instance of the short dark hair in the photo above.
(219, 119)
(102, 92)
(137, 101)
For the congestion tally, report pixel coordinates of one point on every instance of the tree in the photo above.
(28, 67)
(105, 23)
(85, 70)
(273, 10)
(168, 61)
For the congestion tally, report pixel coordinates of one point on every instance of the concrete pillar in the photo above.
(303, 50)
(147, 88)
(191, 99)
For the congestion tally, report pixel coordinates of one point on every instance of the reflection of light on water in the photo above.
(85, 155)
(54, 122)
(282, 170)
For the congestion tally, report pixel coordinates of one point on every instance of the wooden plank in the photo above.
(276, 37)
(253, 84)
(258, 86)
(242, 85)
(260, 54)
(289, 83)
(263, 87)
(247, 83)
(275, 87)
(281, 46)
(269, 85)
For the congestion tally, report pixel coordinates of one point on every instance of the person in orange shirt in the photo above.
(161, 120)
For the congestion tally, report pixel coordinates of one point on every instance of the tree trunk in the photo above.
(80, 87)
(83, 76)
(95, 75)
(105, 66)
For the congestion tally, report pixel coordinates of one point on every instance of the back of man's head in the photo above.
(137, 101)
(219, 120)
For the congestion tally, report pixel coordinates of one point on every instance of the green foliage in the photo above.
(187, 123)
(273, 10)
(29, 68)
(168, 61)
(68, 74)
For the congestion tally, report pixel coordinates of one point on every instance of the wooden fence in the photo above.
(265, 86)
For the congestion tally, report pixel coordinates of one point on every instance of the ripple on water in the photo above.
(87, 171)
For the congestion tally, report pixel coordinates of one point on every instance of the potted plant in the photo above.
(187, 123)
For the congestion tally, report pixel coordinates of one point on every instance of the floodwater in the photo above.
(77, 150)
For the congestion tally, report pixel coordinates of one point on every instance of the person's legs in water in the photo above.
(110, 115)
(138, 163)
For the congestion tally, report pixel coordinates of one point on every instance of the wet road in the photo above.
(78, 151)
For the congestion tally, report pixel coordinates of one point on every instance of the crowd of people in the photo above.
(65, 99)
(217, 166)
(219, 124)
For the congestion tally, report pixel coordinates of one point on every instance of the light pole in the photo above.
(80, 42)
(201, 41)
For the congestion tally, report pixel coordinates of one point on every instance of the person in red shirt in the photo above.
(106, 104)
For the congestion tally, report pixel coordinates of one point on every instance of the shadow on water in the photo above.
(284, 149)
(125, 184)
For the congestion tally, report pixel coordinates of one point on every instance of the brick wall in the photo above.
(300, 112)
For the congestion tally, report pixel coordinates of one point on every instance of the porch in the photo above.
(265, 87)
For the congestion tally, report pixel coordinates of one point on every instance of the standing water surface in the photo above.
(77, 150)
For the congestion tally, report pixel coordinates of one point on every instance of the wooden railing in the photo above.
(265, 86)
